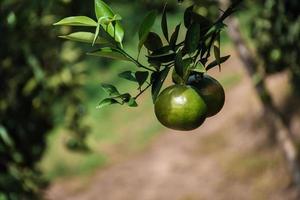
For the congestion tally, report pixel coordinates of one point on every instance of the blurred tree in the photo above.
(37, 87)
(269, 27)
(276, 33)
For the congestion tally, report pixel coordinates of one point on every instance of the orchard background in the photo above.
(55, 144)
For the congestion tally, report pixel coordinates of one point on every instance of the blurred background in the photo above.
(55, 144)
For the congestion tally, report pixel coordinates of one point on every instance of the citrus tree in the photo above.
(195, 95)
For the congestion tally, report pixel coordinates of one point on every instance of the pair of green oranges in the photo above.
(185, 107)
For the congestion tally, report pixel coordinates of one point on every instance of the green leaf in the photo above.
(186, 66)
(217, 56)
(216, 63)
(107, 102)
(124, 97)
(86, 37)
(103, 10)
(188, 16)
(179, 64)
(76, 21)
(5, 137)
(158, 79)
(132, 102)
(174, 37)
(109, 52)
(192, 39)
(141, 77)
(199, 68)
(110, 89)
(128, 75)
(96, 33)
(145, 28)
(162, 58)
(153, 41)
(191, 17)
(164, 23)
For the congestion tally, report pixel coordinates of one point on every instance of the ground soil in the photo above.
(228, 158)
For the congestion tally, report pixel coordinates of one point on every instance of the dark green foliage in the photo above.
(34, 81)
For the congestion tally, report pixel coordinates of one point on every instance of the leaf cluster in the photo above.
(164, 53)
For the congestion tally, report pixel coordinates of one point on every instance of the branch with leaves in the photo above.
(183, 58)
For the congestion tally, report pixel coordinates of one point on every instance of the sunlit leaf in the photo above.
(109, 52)
(199, 68)
(103, 10)
(86, 37)
(76, 21)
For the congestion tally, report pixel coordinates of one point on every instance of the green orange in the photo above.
(211, 91)
(180, 107)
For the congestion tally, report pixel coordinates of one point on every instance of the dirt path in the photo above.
(224, 159)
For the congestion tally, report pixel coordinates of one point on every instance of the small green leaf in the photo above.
(217, 56)
(5, 137)
(158, 79)
(76, 21)
(199, 68)
(132, 102)
(86, 37)
(216, 63)
(164, 23)
(174, 37)
(110, 89)
(141, 77)
(145, 28)
(103, 10)
(109, 52)
(179, 64)
(128, 75)
(153, 41)
(192, 39)
(107, 102)
(162, 58)
(124, 97)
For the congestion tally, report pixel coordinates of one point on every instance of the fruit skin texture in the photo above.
(180, 107)
(211, 91)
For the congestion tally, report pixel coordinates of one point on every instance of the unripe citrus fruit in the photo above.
(180, 107)
(211, 91)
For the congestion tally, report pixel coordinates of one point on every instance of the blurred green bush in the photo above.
(37, 86)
